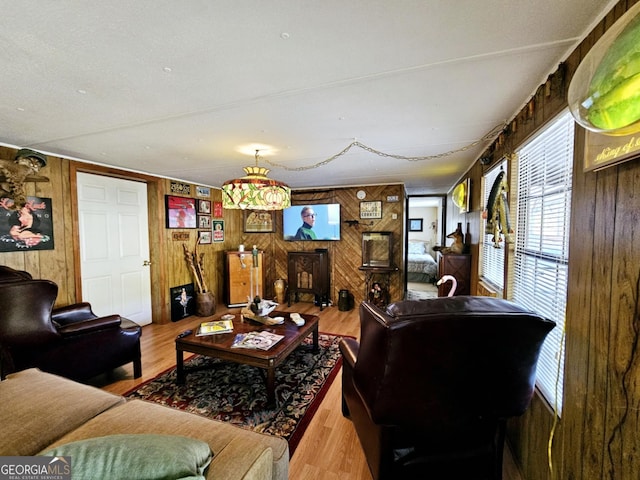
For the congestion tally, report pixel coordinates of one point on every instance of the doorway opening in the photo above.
(424, 230)
(159, 294)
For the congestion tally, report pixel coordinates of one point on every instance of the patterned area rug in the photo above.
(237, 393)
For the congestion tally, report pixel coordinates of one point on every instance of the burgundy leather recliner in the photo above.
(431, 383)
(70, 341)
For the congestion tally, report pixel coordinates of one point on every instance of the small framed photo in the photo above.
(204, 221)
(415, 224)
(371, 209)
(258, 221)
(204, 206)
(204, 237)
(203, 191)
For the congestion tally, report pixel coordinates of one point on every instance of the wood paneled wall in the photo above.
(57, 264)
(597, 436)
(345, 256)
(168, 266)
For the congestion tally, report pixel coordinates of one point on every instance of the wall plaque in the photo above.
(180, 236)
(606, 150)
(182, 188)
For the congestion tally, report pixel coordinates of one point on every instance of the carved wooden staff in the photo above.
(196, 263)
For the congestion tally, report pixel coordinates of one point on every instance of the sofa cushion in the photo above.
(136, 457)
(239, 453)
(38, 408)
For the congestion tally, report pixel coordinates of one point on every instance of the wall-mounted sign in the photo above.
(182, 188)
(218, 230)
(606, 150)
(217, 209)
(203, 191)
(180, 236)
(371, 209)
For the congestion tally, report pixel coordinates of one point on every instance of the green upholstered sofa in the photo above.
(41, 411)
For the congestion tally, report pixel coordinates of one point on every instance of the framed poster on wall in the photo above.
(180, 212)
(29, 228)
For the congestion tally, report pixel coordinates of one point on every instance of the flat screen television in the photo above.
(321, 222)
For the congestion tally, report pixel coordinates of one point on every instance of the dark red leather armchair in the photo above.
(69, 341)
(431, 383)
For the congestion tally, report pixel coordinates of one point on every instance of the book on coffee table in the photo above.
(214, 328)
(260, 340)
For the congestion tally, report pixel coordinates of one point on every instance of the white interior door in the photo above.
(114, 246)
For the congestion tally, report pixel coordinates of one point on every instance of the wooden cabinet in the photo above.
(309, 273)
(460, 267)
(243, 279)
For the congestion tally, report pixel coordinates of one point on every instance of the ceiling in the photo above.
(190, 89)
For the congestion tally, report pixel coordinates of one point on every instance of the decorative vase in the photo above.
(278, 286)
(205, 304)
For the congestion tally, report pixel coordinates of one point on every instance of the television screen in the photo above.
(312, 222)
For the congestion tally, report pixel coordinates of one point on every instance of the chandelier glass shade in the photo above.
(255, 191)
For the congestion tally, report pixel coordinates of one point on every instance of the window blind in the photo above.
(542, 242)
(492, 258)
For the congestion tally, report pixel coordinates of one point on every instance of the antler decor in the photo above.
(195, 261)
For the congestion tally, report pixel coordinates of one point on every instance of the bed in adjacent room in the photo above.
(421, 266)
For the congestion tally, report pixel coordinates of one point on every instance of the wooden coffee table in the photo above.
(219, 346)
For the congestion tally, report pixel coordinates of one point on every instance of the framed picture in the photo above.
(415, 224)
(204, 237)
(217, 209)
(204, 221)
(204, 206)
(203, 191)
(218, 230)
(371, 209)
(181, 212)
(183, 301)
(28, 228)
(258, 221)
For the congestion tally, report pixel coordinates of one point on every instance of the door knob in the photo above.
(146, 263)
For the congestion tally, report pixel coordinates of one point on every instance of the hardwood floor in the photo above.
(330, 448)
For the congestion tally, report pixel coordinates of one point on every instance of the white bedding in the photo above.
(421, 266)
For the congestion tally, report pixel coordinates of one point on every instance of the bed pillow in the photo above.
(416, 248)
(137, 457)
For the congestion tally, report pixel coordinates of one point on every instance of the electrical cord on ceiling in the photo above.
(495, 131)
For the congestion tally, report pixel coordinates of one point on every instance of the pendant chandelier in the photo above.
(255, 191)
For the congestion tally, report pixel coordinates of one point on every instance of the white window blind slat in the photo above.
(542, 242)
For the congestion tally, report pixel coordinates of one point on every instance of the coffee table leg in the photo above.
(179, 367)
(271, 386)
